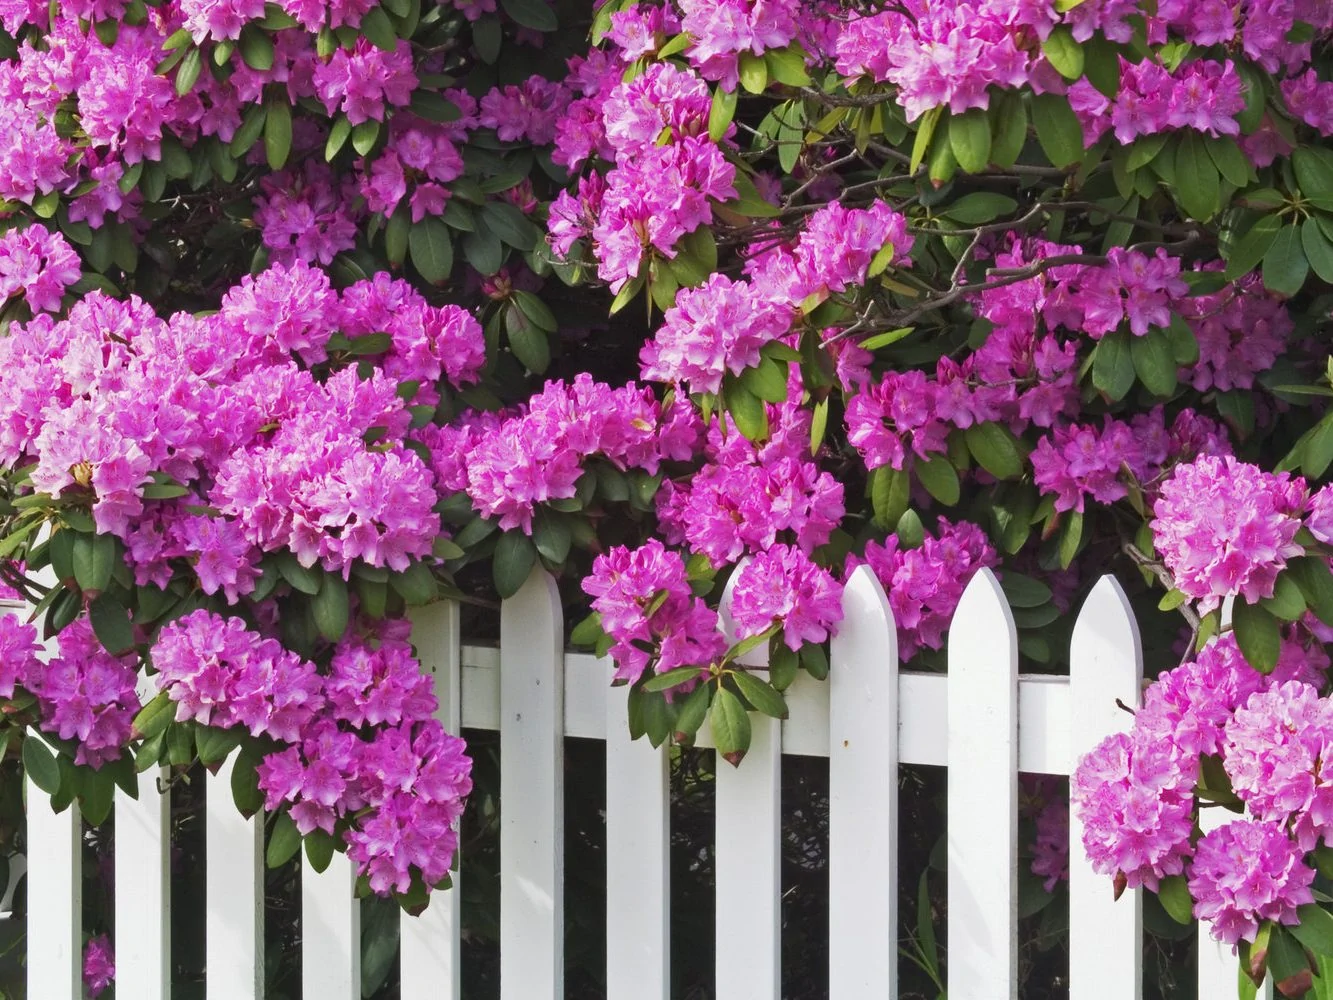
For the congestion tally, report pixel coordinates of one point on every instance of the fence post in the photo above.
(748, 862)
(638, 860)
(863, 796)
(1105, 666)
(429, 959)
(983, 795)
(234, 894)
(143, 884)
(532, 829)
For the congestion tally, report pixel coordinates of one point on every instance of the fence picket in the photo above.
(532, 852)
(747, 859)
(983, 793)
(143, 890)
(330, 931)
(429, 965)
(863, 796)
(638, 863)
(55, 899)
(1105, 665)
(234, 894)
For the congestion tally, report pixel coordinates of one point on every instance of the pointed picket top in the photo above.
(863, 795)
(1105, 667)
(983, 794)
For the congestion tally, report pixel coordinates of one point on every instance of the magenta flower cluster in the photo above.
(1136, 792)
(364, 758)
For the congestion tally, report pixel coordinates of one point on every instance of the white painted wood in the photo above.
(638, 860)
(55, 899)
(143, 890)
(330, 931)
(532, 849)
(234, 894)
(429, 958)
(1043, 709)
(748, 860)
(983, 795)
(863, 796)
(1106, 665)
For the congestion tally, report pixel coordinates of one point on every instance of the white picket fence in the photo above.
(983, 721)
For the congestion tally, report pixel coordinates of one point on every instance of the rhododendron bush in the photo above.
(315, 312)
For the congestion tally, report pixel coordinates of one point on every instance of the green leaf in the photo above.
(245, 792)
(671, 679)
(154, 717)
(416, 584)
(277, 130)
(256, 48)
(283, 842)
(1113, 365)
(306, 580)
(995, 448)
(94, 558)
(214, 745)
(1257, 635)
(97, 793)
(1023, 591)
(814, 659)
(886, 338)
(510, 224)
(940, 479)
(40, 765)
(909, 529)
(889, 489)
(722, 112)
(969, 137)
(748, 201)
(529, 344)
(111, 624)
(364, 136)
(515, 555)
(433, 107)
(331, 608)
(1285, 266)
(693, 711)
(1009, 130)
(753, 73)
(1065, 54)
(1287, 602)
(1058, 129)
(761, 694)
(1101, 65)
(395, 236)
(378, 29)
(1251, 248)
(188, 71)
(536, 310)
(1318, 249)
(1198, 186)
(925, 130)
(432, 249)
(787, 66)
(339, 132)
(1171, 600)
(767, 380)
(319, 847)
(1155, 361)
(1314, 172)
(980, 206)
(731, 727)
(1229, 160)
(1313, 576)
(552, 536)
(747, 412)
(1071, 535)
(1315, 930)
(1174, 894)
(252, 127)
(588, 631)
(483, 251)
(534, 14)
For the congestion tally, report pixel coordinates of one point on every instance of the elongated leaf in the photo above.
(432, 249)
(94, 558)
(515, 555)
(1058, 129)
(940, 479)
(1251, 248)
(283, 842)
(1174, 894)
(277, 131)
(1257, 635)
(970, 139)
(40, 765)
(1318, 249)
(331, 608)
(761, 694)
(534, 14)
(1198, 186)
(995, 449)
(731, 727)
(1113, 365)
(111, 624)
(1285, 265)
(1065, 54)
(1155, 362)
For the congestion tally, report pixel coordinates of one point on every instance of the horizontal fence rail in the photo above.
(982, 720)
